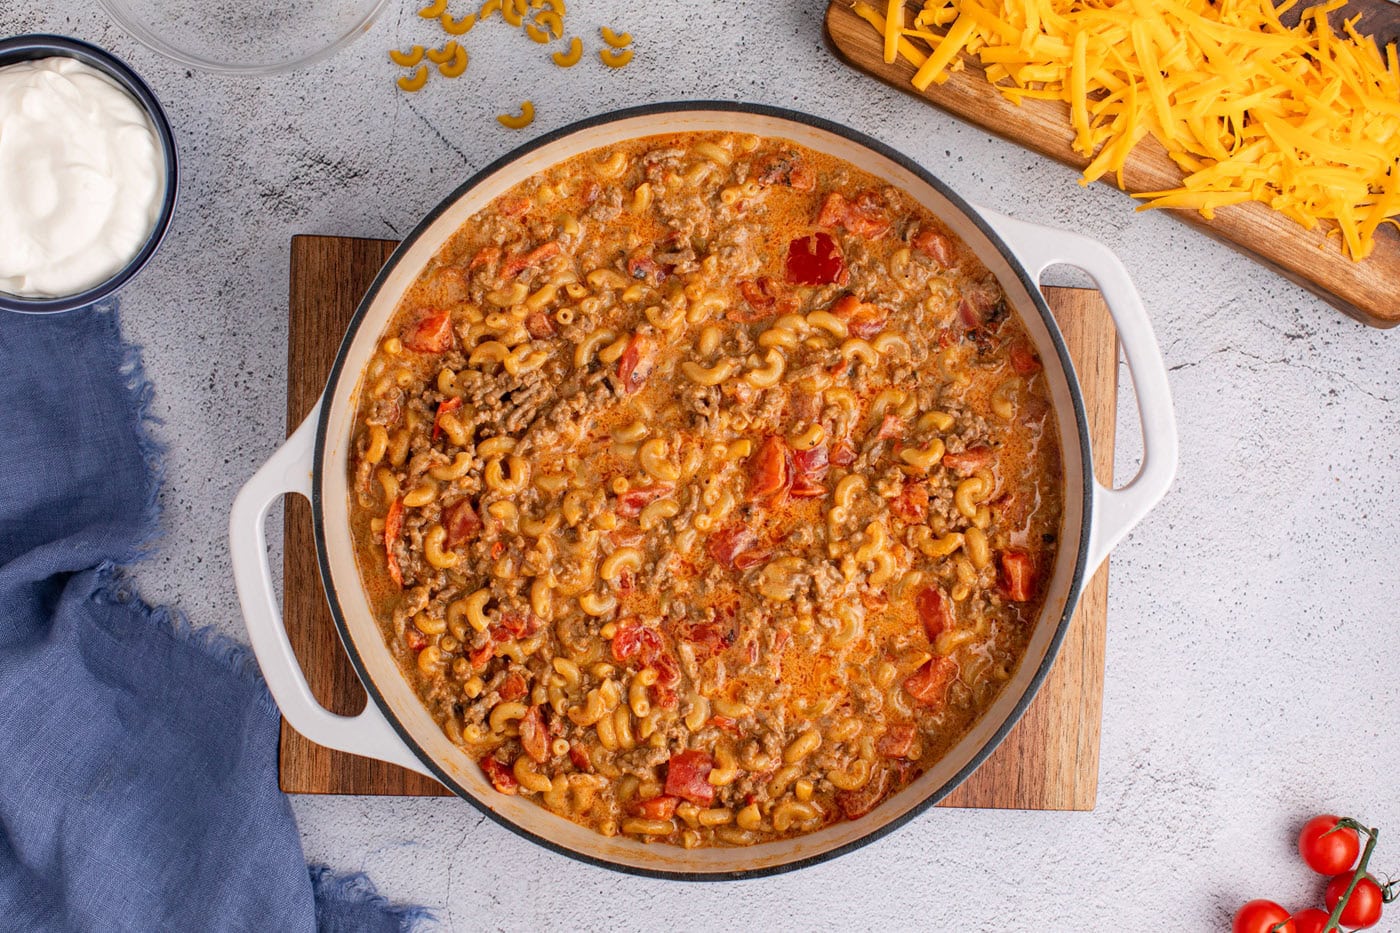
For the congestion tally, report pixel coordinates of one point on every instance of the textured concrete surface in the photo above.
(1253, 649)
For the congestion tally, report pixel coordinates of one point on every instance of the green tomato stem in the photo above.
(1334, 919)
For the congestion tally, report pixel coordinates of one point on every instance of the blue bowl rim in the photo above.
(17, 49)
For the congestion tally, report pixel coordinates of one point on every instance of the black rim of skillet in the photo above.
(658, 109)
(29, 48)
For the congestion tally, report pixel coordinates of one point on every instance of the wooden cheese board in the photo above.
(1049, 761)
(1368, 291)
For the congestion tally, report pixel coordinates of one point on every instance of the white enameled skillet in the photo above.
(396, 727)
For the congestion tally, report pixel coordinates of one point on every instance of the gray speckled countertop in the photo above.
(1252, 647)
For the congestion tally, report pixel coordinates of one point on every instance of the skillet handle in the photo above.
(1116, 511)
(287, 471)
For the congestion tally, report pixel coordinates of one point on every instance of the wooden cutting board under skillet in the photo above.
(1049, 761)
(1368, 291)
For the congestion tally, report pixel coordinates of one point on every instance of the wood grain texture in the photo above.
(1048, 761)
(329, 277)
(1368, 291)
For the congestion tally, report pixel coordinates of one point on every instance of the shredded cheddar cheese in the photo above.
(1305, 119)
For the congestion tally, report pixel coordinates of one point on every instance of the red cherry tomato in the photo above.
(1363, 908)
(1262, 916)
(1311, 920)
(1328, 851)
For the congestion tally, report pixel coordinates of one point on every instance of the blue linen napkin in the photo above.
(138, 757)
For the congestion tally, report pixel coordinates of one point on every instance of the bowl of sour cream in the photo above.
(88, 174)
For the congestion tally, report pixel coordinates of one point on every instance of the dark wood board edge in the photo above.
(1371, 299)
(323, 294)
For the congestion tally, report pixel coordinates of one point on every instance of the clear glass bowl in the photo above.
(244, 36)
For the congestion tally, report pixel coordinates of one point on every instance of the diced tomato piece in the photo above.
(1018, 574)
(514, 206)
(935, 611)
(890, 427)
(1024, 360)
(867, 216)
(522, 261)
(867, 322)
(724, 724)
(898, 740)
(644, 646)
(486, 256)
(518, 624)
(833, 210)
(844, 306)
(635, 364)
(512, 687)
(911, 505)
(815, 260)
(843, 454)
(761, 297)
(635, 640)
(770, 473)
(813, 462)
(727, 544)
(533, 736)
(578, 754)
(445, 406)
(688, 775)
(929, 684)
(968, 461)
(970, 317)
(431, 332)
(480, 657)
(415, 639)
(709, 639)
(539, 326)
(758, 293)
(461, 522)
(500, 776)
(802, 178)
(631, 502)
(626, 583)
(668, 674)
(393, 525)
(752, 558)
(856, 803)
(662, 807)
(810, 467)
(934, 245)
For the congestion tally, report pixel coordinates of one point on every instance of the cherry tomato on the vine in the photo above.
(1328, 851)
(1363, 909)
(1311, 920)
(1262, 916)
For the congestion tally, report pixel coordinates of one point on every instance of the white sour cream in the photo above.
(82, 177)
